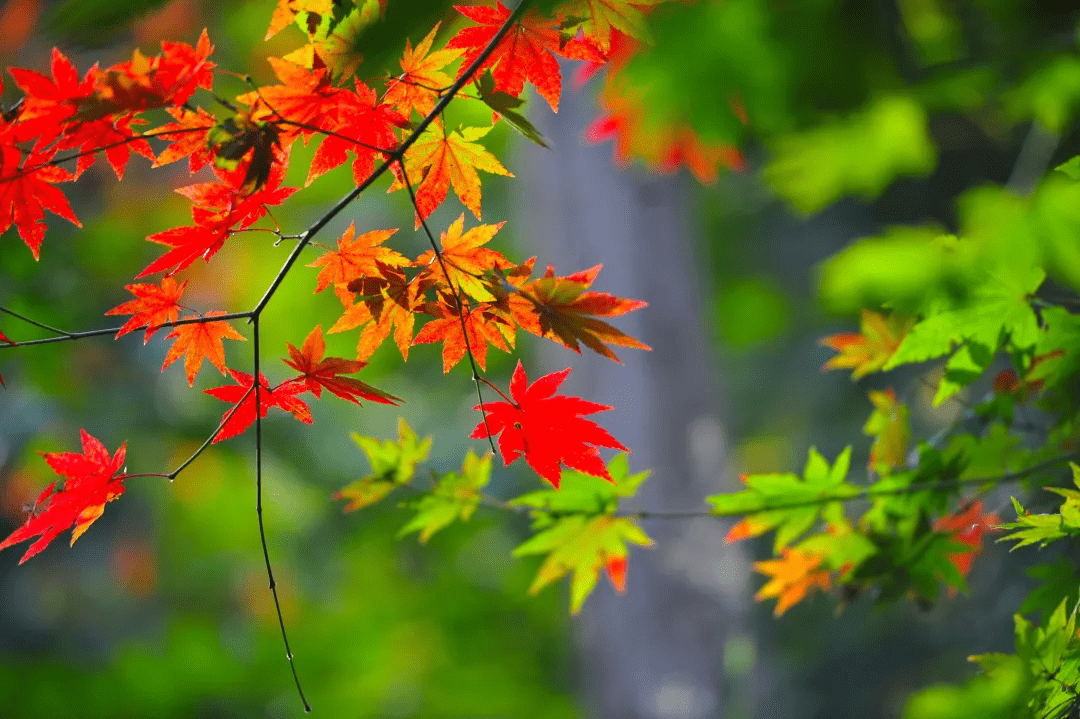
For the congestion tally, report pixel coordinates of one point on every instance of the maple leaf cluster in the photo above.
(91, 116)
(461, 292)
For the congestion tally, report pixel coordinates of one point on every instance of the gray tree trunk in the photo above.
(660, 650)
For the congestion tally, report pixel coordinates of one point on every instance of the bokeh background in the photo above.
(864, 115)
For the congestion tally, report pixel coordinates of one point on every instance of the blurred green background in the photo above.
(863, 116)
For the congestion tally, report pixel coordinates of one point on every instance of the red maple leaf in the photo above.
(317, 373)
(203, 239)
(547, 428)
(527, 52)
(360, 125)
(111, 135)
(235, 422)
(50, 103)
(170, 78)
(91, 480)
(218, 210)
(305, 99)
(967, 527)
(228, 196)
(152, 307)
(27, 189)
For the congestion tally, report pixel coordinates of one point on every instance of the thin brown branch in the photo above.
(457, 301)
(396, 155)
(113, 330)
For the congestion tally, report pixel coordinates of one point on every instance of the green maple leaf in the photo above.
(578, 530)
(393, 463)
(583, 545)
(768, 498)
(1046, 528)
(1000, 306)
(584, 493)
(455, 496)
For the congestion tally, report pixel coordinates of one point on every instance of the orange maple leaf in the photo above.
(792, 578)
(439, 160)
(560, 309)
(749, 526)
(482, 324)
(317, 373)
(466, 259)
(91, 480)
(287, 10)
(968, 527)
(354, 258)
(199, 341)
(154, 306)
(871, 348)
(422, 77)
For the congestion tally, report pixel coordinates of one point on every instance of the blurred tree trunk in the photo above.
(659, 651)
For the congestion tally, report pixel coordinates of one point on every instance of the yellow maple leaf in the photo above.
(466, 259)
(422, 77)
(793, 576)
(868, 350)
(439, 160)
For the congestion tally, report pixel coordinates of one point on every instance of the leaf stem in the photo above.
(489, 384)
(209, 440)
